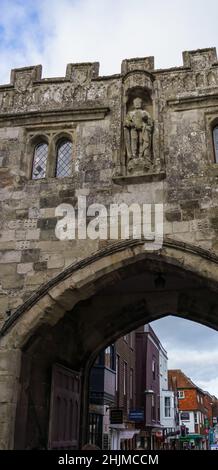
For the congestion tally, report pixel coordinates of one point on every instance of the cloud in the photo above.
(193, 357)
(20, 36)
(191, 347)
(54, 32)
(210, 385)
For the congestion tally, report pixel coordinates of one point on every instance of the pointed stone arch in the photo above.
(67, 294)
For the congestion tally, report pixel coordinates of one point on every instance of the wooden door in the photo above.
(64, 409)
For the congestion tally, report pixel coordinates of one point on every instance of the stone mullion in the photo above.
(51, 162)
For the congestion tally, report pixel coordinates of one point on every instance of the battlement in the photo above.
(21, 78)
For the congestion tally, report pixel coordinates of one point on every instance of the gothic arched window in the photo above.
(40, 161)
(215, 143)
(64, 158)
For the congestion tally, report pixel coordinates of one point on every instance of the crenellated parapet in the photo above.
(28, 91)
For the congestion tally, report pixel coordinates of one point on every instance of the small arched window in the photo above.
(215, 143)
(64, 158)
(40, 161)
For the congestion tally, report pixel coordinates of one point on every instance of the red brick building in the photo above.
(209, 401)
(195, 409)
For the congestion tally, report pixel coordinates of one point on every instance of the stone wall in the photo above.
(91, 109)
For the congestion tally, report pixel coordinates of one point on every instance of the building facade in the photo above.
(112, 396)
(125, 390)
(168, 405)
(195, 410)
(148, 386)
(102, 397)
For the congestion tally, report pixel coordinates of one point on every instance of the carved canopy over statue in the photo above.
(138, 129)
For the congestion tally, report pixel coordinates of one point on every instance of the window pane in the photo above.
(40, 161)
(125, 378)
(117, 371)
(131, 384)
(153, 368)
(110, 357)
(215, 141)
(64, 159)
(107, 357)
(167, 407)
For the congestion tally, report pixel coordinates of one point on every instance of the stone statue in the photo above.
(138, 127)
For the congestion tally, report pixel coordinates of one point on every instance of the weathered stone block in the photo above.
(192, 204)
(214, 223)
(180, 227)
(48, 235)
(33, 234)
(9, 363)
(55, 261)
(30, 256)
(188, 214)
(35, 279)
(22, 214)
(24, 268)
(10, 256)
(173, 216)
(47, 224)
(20, 234)
(7, 235)
(49, 201)
(8, 269)
(13, 282)
(168, 228)
(40, 266)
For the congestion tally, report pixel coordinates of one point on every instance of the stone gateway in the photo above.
(144, 136)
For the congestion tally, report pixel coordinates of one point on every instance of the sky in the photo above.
(191, 347)
(56, 32)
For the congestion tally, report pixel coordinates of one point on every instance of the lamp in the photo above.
(159, 281)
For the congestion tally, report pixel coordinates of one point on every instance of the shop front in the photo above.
(193, 442)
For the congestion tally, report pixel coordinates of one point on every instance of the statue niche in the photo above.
(138, 131)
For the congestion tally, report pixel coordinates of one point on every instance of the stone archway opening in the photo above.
(88, 309)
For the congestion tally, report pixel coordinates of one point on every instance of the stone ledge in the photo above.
(54, 115)
(144, 178)
(189, 101)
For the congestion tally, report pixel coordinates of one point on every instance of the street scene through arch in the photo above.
(138, 400)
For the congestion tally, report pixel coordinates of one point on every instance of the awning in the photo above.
(117, 426)
(129, 433)
(190, 437)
